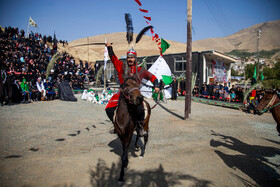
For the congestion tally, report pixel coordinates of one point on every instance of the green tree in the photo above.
(233, 72)
(272, 77)
(249, 71)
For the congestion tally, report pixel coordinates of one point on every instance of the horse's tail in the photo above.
(147, 109)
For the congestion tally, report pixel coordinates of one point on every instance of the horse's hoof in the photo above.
(140, 157)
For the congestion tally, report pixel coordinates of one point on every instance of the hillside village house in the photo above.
(209, 65)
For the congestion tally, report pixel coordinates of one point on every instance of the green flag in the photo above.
(164, 45)
(262, 77)
(166, 79)
(255, 73)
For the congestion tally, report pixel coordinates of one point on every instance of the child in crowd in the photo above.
(232, 96)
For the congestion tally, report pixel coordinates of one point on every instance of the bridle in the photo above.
(270, 104)
(126, 92)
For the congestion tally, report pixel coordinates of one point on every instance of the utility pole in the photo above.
(188, 61)
(258, 46)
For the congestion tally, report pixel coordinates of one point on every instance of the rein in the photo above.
(269, 105)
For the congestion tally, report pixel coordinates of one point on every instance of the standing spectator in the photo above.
(174, 86)
(232, 89)
(239, 94)
(211, 89)
(226, 87)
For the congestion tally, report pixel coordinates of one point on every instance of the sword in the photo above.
(90, 44)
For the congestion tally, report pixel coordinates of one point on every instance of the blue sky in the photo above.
(73, 19)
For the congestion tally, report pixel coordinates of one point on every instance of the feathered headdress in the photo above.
(129, 30)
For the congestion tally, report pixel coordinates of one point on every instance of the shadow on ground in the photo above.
(251, 160)
(169, 111)
(116, 146)
(104, 176)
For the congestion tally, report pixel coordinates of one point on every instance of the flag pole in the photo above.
(28, 28)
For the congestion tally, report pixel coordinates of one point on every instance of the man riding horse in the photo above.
(129, 70)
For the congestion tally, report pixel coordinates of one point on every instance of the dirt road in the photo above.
(60, 143)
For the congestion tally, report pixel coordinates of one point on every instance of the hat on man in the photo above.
(131, 52)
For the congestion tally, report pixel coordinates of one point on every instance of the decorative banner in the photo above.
(32, 23)
(105, 56)
(162, 71)
(155, 37)
(219, 72)
(139, 3)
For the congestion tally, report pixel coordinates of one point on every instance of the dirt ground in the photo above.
(60, 143)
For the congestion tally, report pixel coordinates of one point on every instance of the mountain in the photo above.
(245, 39)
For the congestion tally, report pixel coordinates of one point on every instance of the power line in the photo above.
(220, 18)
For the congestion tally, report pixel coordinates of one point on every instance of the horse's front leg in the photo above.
(125, 145)
(124, 163)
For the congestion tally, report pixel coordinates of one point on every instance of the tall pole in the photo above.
(28, 28)
(188, 61)
(88, 49)
(258, 46)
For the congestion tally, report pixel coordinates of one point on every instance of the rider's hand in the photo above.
(108, 44)
(156, 90)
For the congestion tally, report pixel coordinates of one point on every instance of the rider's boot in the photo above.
(140, 128)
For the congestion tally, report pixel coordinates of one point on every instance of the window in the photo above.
(110, 69)
(149, 63)
(179, 64)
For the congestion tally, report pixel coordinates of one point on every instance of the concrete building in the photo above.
(209, 65)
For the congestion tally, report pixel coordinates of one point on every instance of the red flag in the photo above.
(143, 10)
(139, 3)
(148, 18)
(152, 31)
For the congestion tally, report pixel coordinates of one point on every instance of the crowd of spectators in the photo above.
(219, 91)
(24, 62)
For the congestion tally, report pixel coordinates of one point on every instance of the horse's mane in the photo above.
(127, 78)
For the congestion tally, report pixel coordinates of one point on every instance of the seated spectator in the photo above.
(41, 89)
(195, 91)
(226, 96)
(34, 91)
(215, 95)
(222, 94)
(232, 96)
(205, 93)
(25, 90)
(49, 90)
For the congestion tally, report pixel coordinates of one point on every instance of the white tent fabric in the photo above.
(159, 68)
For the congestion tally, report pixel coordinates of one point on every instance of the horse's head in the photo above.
(130, 89)
(267, 101)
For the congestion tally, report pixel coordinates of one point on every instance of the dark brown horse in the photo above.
(270, 101)
(125, 118)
